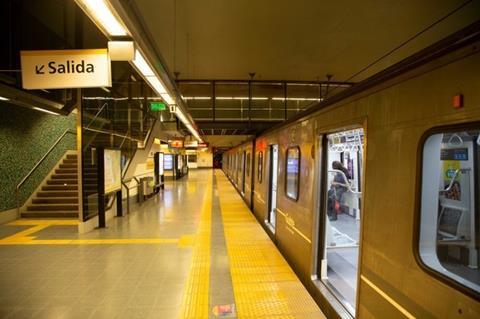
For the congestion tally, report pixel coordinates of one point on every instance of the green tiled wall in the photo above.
(25, 136)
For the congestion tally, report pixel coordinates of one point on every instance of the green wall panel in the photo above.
(25, 136)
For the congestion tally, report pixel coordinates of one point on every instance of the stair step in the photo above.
(59, 197)
(66, 171)
(62, 182)
(44, 214)
(55, 200)
(68, 166)
(52, 207)
(59, 187)
(67, 194)
(64, 176)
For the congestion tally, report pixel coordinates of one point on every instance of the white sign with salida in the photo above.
(62, 69)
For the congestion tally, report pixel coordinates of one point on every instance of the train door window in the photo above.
(449, 240)
(237, 167)
(260, 167)
(339, 256)
(272, 198)
(292, 172)
(243, 171)
(248, 164)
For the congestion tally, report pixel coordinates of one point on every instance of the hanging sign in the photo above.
(175, 143)
(62, 69)
(202, 145)
(192, 144)
(157, 106)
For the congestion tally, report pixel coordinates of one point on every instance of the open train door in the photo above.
(339, 256)
(272, 185)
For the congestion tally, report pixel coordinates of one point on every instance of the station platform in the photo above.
(194, 251)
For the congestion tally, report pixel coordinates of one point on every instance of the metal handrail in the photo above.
(124, 184)
(111, 133)
(17, 188)
(347, 185)
(96, 115)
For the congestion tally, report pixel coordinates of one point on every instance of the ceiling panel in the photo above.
(293, 40)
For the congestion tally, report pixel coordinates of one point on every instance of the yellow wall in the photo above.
(205, 158)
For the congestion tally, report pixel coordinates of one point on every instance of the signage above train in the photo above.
(62, 69)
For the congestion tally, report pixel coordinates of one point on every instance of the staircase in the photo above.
(58, 198)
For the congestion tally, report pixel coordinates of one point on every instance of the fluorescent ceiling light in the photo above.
(181, 117)
(3, 98)
(43, 110)
(188, 125)
(156, 85)
(142, 64)
(144, 68)
(103, 15)
(196, 98)
(167, 98)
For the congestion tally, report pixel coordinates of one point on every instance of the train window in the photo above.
(248, 164)
(292, 172)
(449, 239)
(260, 167)
(339, 256)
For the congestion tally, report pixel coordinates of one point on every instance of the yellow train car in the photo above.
(373, 196)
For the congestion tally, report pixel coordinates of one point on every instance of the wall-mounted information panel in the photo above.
(168, 162)
(112, 171)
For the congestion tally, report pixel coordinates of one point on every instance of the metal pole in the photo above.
(119, 204)
(249, 103)
(101, 188)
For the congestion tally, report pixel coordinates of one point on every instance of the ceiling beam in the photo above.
(218, 81)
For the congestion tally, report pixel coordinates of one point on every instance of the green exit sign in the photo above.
(157, 106)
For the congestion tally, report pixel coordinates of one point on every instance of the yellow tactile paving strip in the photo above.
(25, 237)
(264, 285)
(195, 304)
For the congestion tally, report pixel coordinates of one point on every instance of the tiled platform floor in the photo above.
(180, 255)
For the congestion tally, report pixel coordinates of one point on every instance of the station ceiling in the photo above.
(295, 40)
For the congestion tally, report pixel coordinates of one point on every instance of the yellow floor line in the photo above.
(264, 285)
(195, 304)
(24, 237)
(120, 241)
(47, 222)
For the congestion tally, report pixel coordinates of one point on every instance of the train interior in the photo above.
(343, 214)
(449, 233)
(273, 179)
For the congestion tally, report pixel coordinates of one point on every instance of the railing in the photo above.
(135, 178)
(19, 185)
(346, 184)
(124, 183)
(72, 131)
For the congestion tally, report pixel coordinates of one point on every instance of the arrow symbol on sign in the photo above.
(39, 70)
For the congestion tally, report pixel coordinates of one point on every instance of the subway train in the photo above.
(373, 195)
